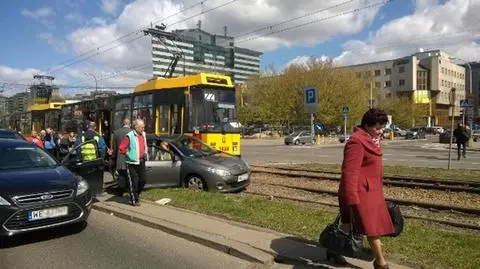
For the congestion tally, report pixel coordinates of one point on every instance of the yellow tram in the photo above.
(201, 105)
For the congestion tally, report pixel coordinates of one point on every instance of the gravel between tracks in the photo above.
(462, 199)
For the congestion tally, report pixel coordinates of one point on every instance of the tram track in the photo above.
(450, 185)
(455, 224)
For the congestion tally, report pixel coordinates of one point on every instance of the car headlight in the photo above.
(220, 172)
(3, 201)
(82, 187)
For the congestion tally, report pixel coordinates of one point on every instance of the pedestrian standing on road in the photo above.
(35, 138)
(120, 167)
(361, 185)
(461, 137)
(50, 142)
(88, 150)
(134, 147)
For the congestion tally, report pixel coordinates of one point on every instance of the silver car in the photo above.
(299, 137)
(193, 164)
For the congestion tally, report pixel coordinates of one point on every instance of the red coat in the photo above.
(361, 185)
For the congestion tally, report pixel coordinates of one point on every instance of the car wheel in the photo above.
(297, 142)
(195, 182)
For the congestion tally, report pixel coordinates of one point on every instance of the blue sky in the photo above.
(37, 35)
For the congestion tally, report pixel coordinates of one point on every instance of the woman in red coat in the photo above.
(361, 184)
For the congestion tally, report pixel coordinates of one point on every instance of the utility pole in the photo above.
(452, 104)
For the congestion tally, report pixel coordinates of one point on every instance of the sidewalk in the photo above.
(257, 245)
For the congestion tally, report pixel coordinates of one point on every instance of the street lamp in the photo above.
(95, 78)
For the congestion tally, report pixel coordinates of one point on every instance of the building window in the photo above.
(401, 82)
(377, 73)
(388, 95)
(443, 70)
(388, 71)
(388, 84)
(358, 74)
(377, 84)
(401, 69)
(443, 82)
(422, 80)
(367, 74)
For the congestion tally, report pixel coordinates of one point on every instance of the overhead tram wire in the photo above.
(293, 19)
(179, 21)
(381, 3)
(131, 33)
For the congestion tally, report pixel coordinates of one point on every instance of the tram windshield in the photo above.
(213, 110)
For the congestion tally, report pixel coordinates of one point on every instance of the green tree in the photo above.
(278, 99)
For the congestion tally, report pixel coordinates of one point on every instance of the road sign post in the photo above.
(453, 126)
(345, 111)
(310, 104)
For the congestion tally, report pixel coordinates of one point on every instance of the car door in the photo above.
(306, 137)
(90, 170)
(161, 170)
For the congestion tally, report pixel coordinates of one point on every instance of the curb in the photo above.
(258, 258)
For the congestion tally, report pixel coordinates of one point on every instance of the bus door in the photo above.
(168, 119)
(176, 119)
(104, 125)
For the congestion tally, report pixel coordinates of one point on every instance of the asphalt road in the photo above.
(425, 153)
(110, 242)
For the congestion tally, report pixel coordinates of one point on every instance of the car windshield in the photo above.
(193, 147)
(18, 157)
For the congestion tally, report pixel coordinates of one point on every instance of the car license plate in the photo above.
(47, 213)
(242, 177)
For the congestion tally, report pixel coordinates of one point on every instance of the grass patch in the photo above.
(422, 172)
(421, 245)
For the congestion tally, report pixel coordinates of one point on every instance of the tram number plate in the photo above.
(47, 213)
(242, 177)
(224, 148)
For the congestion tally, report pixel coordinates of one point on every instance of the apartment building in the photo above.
(17, 103)
(203, 52)
(3, 105)
(476, 87)
(427, 77)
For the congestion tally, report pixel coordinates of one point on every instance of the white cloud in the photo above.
(74, 17)
(304, 60)
(58, 44)
(254, 14)
(43, 12)
(451, 26)
(110, 6)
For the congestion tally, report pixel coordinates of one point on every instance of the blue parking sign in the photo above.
(310, 100)
(310, 96)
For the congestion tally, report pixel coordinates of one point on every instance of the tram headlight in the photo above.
(220, 172)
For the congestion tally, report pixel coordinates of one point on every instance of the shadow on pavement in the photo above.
(42, 235)
(300, 253)
(438, 158)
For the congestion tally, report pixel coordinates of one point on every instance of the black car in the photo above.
(37, 192)
(11, 134)
(415, 133)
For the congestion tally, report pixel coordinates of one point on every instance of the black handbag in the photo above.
(336, 240)
(397, 218)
